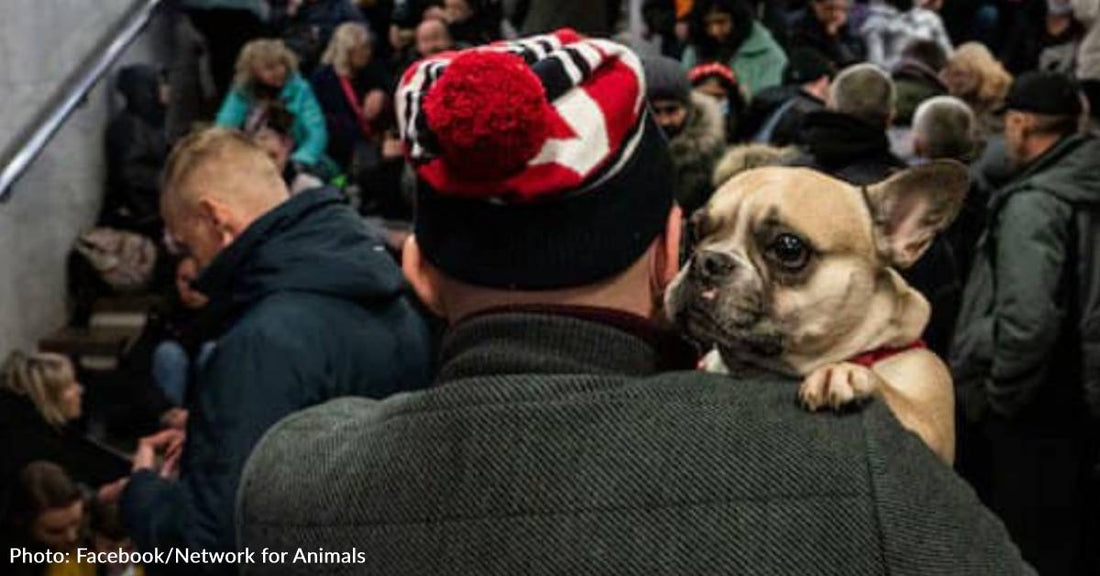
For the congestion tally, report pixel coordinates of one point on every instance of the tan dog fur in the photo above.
(746, 293)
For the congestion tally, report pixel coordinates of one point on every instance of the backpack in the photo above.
(123, 260)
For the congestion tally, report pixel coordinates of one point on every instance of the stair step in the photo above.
(82, 342)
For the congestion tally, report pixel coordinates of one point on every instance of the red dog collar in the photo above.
(868, 359)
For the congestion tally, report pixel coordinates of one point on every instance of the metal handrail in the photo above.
(25, 148)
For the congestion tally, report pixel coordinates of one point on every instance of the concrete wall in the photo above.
(41, 42)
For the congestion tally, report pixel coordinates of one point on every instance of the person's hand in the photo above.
(170, 467)
(111, 493)
(374, 104)
(292, 7)
(163, 442)
(174, 418)
(392, 148)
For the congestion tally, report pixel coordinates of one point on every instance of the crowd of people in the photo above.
(413, 294)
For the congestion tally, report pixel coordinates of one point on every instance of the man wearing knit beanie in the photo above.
(556, 441)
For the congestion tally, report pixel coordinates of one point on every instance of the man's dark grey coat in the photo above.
(553, 445)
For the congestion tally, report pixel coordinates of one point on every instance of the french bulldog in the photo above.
(796, 272)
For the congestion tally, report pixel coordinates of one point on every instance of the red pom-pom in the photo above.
(488, 112)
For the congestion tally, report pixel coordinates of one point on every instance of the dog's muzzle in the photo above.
(712, 268)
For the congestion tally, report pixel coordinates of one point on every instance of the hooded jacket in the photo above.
(695, 150)
(308, 131)
(315, 311)
(1019, 339)
(1025, 353)
(137, 147)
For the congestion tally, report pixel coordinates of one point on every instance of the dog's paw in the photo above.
(836, 386)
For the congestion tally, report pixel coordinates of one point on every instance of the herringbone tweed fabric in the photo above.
(551, 447)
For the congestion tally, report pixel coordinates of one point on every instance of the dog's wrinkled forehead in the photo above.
(832, 214)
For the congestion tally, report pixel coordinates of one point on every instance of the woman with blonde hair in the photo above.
(40, 400)
(267, 72)
(974, 76)
(352, 90)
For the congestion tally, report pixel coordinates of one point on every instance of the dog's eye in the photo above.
(790, 252)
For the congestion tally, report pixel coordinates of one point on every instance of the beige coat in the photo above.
(1088, 56)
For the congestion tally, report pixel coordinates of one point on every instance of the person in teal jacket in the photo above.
(267, 71)
(725, 31)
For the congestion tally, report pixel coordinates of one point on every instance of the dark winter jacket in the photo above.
(695, 150)
(554, 444)
(846, 147)
(591, 18)
(137, 147)
(914, 82)
(482, 27)
(842, 50)
(1026, 351)
(341, 120)
(781, 112)
(25, 437)
(315, 310)
(1019, 340)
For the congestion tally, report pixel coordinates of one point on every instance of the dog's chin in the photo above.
(745, 338)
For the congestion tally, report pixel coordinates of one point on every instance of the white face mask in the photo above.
(724, 106)
(1059, 7)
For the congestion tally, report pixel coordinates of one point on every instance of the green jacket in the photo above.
(1019, 340)
(759, 62)
(556, 444)
(309, 131)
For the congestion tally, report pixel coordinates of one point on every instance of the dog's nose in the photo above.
(714, 266)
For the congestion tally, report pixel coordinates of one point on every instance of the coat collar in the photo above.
(560, 340)
(1052, 158)
(218, 279)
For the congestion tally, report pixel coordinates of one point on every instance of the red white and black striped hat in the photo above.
(538, 165)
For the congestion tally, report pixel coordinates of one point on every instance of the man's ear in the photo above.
(912, 206)
(668, 253)
(423, 282)
(918, 145)
(222, 219)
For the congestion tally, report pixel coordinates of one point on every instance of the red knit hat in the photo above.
(538, 166)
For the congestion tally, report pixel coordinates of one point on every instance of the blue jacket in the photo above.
(308, 131)
(315, 311)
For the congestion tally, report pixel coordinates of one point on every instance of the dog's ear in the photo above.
(914, 205)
